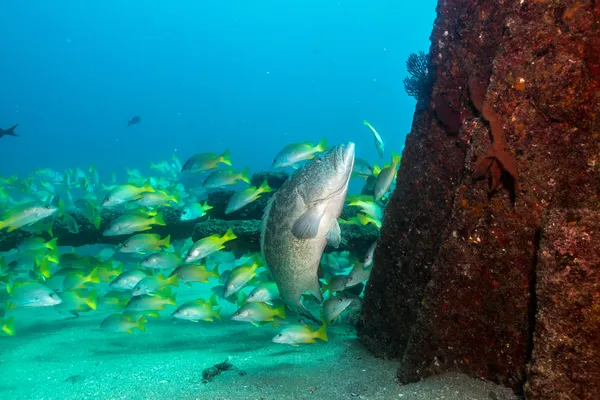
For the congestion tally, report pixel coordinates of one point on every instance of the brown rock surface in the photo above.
(566, 354)
(453, 287)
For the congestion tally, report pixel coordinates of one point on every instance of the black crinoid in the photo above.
(420, 81)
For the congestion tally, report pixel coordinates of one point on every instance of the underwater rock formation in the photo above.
(566, 354)
(245, 223)
(515, 102)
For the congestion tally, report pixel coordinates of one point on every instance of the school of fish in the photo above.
(291, 283)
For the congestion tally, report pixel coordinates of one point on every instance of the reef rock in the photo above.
(511, 134)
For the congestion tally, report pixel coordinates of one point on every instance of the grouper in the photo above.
(299, 221)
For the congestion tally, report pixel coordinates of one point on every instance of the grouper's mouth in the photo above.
(344, 160)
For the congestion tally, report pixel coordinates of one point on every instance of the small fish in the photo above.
(124, 193)
(246, 196)
(132, 223)
(145, 242)
(368, 263)
(378, 139)
(116, 299)
(224, 177)
(298, 334)
(198, 310)
(75, 301)
(298, 152)
(208, 245)
(121, 323)
(156, 199)
(194, 211)
(240, 276)
(153, 284)
(162, 260)
(336, 283)
(37, 243)
(133, 121)
(8, 132)
(69, 222)
(78, 279)
(195, 273)
(26, 215)
(89, 212)
(127, 280)
(385, 177)
(362, 168)
(334, 307)
(264, 292)
(369, 207)
(31, 294)
(259, 313)
(206, 161)
(358, 274)
(148, 302)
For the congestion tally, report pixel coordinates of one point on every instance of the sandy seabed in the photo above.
(53, 357)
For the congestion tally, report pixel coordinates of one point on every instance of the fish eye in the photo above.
(340, 300)
(48, 207)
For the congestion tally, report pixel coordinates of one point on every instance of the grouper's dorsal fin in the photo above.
(307, 225)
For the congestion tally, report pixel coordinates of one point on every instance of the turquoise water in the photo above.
(124, 109)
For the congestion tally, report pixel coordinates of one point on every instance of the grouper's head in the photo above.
(327, 174)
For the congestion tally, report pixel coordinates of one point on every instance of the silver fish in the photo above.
(301, 219)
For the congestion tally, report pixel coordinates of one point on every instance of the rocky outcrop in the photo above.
(511, 134)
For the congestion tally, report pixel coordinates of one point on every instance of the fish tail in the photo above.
(91, 300)
(173, 280)
(8, 326)
(206, 207)
(321, 333)
(94, 276)
(396, 158)
(159, 219)
(217, 313)
(147, 188)
(215, 272)
(280, 311)
(212, 300)
(264, 187)
(2, 225)
(96, 221)
(226, 157)
(229, 235)
(141, 324)
(170, 300)
(245, 175)
(166, 242)
(51, 245)
(11, 131)
(322, 145)
(376, 169)
(44, 268)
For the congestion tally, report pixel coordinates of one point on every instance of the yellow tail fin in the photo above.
(322, 145)
(245, 175)
(229, 235)
(321, 333)
(91, 300)
(159, 219)
(8, 326)
(166, 242)
(141, 324)
(225, 158)
(264, 187)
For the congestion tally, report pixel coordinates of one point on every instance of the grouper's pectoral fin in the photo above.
(334, 236)
(307, 225)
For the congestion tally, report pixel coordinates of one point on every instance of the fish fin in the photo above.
(321, 333)
(334, 236)
(93, 276)
(217, 314)
(173, 280)
(322, 145)
(280, 311)
(245, 175)
(212, 300)
(8, 326)
(226, 157)
(159, 220)
(166, 242)
(396, 159)
(307, 225)
(2, 225)
(91, 300)
(141, 324)
(51, 245)
(10, 131)
(215, 272)
(96, 221)
(264, 187)
(229, 235)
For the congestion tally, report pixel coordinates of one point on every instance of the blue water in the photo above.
(251, 76)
